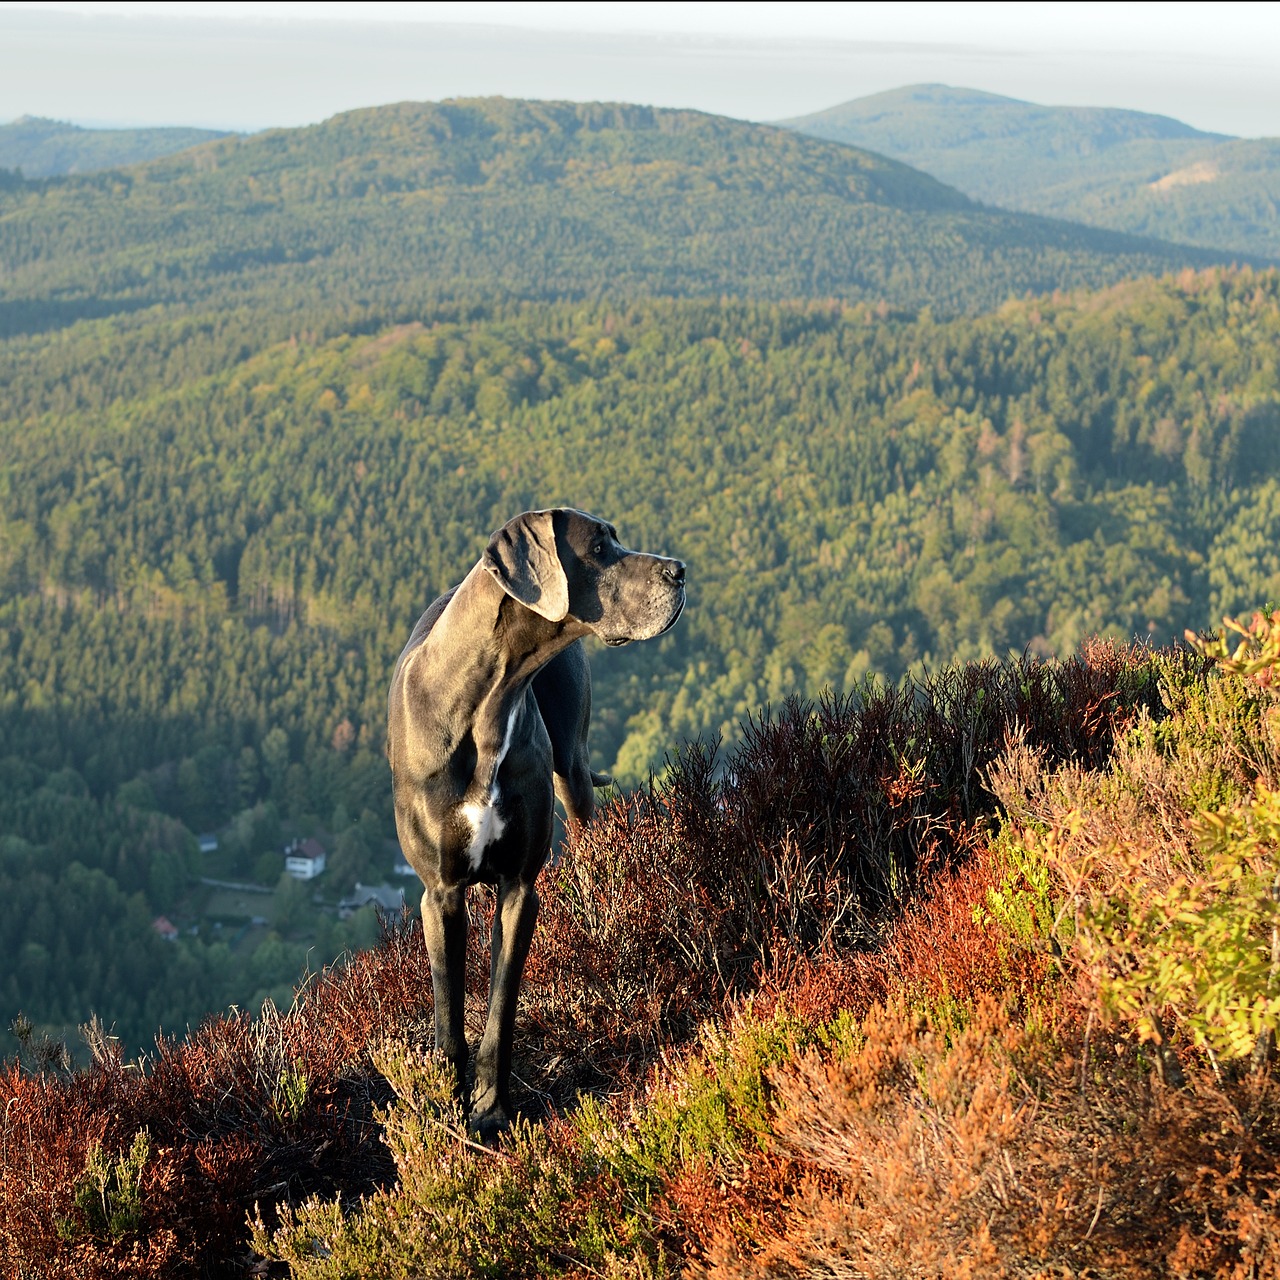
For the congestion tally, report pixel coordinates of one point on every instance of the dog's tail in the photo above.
(600, 779)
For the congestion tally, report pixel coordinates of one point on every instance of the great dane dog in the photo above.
(487, 716)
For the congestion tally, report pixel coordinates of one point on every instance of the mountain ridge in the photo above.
(516, 199)
(1109, 123)
(42, 147)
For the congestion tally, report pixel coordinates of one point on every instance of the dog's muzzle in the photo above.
(663, 604)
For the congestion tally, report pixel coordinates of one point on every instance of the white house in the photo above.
(304, 859)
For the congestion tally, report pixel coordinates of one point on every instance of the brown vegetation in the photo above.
(837, 1007)
(999, 1152)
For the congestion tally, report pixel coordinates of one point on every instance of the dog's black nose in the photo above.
(674, 569)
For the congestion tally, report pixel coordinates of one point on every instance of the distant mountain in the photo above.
(1124, 170)
(42, 148)
(493, 198)
(942, 126)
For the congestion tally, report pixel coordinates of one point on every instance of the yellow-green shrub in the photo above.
(1205, 945)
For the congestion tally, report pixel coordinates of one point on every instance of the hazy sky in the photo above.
(249, 66)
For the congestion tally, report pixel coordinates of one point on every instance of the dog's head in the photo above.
(566, 564)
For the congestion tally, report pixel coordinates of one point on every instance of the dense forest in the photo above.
(1126, 170)
(206, 578)
(264, 400)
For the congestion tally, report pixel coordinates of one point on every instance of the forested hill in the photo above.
(1126, 170)
(421, 202)
(852, 492)
(41, 148)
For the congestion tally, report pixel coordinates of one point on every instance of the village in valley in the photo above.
(297, 905)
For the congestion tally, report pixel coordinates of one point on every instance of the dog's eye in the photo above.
(598, 549)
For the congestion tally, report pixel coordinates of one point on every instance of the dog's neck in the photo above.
(491, 646)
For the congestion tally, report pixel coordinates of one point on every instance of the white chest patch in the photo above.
(486, 823)
(486, 826)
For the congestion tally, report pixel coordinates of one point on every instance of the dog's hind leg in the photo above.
(513, 923)
(575, 792)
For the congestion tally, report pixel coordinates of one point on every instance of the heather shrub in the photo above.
(1202, 945)
(247, 1111)
(825, 822)
(77, 1198)
(1249, 669)
(1255, 654)
(834, 858)
(109, 1197)
(585, 1191)
(947, 951)
(999, 1151)
(912, 1085)
(1025, 904)
(458, 1209)
(1160, 872)
(1206, 946)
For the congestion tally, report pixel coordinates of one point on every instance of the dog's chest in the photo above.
(481, 812)
(486, 825)
(481, 807)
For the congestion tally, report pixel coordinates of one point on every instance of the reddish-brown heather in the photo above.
(223, 1130)
(777, 869)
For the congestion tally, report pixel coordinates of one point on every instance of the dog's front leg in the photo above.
(444, 923)
(513, 923)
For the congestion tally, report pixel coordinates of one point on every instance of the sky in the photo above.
(253, 66)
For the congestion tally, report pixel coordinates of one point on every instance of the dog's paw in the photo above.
(490, 1117)
(488, 1125)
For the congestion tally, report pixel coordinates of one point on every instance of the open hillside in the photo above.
(973, 976)
(41, 148)
(424, 202)
(1126, 170)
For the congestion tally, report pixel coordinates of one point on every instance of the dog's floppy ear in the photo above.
(522, 556)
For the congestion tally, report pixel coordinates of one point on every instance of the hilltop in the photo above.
(423, 202)
(946, 125)
(1126, 170)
